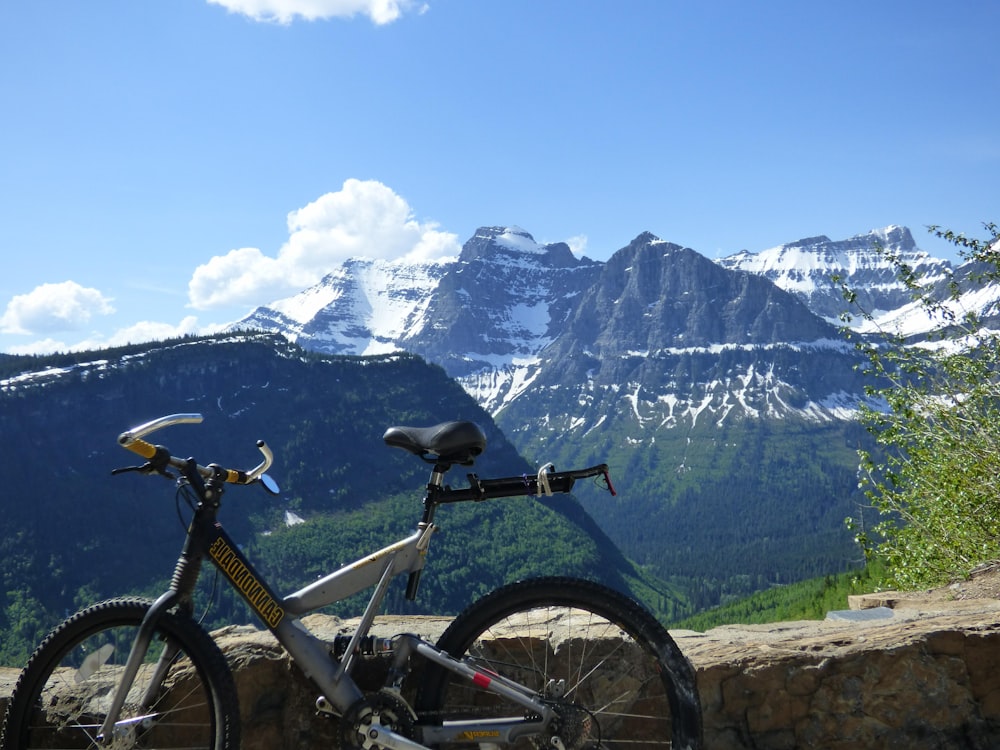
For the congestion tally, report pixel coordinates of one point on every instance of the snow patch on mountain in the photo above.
(516, 239)
(497, 379)
(364, 306)
(914, 319)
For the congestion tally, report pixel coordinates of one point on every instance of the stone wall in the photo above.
(921, 678)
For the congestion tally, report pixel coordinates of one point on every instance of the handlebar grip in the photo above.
(235, 476)
(138, 445)
(133, 439)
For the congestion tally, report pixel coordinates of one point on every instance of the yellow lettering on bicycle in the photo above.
(244, 581)
(480, 734)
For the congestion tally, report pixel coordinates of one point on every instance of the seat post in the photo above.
(434, 486)
(436, 481)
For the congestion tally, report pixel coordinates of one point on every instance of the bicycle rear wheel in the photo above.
(615, 676)
(62, 695)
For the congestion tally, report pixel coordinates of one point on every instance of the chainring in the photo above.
(384, 707)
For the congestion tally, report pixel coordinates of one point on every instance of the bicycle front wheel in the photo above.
(64, 692)
(613, 674)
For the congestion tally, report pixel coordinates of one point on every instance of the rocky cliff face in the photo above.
(655, 295)
(494, 310)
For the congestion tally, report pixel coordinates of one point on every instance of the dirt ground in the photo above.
(983, 583)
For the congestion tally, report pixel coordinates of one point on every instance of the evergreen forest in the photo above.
(73, 534)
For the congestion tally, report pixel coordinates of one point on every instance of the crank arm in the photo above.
(380, 737)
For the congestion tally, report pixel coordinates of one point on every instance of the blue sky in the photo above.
(166, 165)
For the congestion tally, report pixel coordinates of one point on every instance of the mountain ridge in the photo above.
(802, 267)
(499, 315)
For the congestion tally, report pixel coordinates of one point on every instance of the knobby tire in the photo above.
(626, 684)
(61, 697)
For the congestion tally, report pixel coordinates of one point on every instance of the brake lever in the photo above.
(146, 468)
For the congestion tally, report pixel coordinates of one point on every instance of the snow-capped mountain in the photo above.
(808, 267)
(671, 339)
(510, 309)
(485, 317)
(966, 293)
(363, 307)
(723, 403)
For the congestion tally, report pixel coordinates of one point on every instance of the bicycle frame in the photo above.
(207, 538)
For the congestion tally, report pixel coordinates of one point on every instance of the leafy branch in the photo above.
(933, 477)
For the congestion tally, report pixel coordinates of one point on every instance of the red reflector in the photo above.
(481, 680)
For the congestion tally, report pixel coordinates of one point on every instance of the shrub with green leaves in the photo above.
(933, 477)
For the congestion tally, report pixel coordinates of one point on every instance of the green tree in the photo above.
(933, 477)
(23, 623)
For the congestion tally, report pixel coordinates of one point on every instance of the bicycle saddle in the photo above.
(447, 443)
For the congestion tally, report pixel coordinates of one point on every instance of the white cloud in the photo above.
(137, 333)
(66, 306)
(38, 347)
(147, 330)
(363, 219)
(239, 277)
(578, 244)
(285, 11)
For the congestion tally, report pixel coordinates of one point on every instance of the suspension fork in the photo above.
(180, 594)
(135, 658)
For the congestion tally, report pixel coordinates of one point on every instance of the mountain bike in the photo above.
(556, 662)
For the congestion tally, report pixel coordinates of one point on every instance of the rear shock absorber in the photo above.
(370, 647)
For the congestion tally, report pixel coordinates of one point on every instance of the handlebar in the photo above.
(160, 457)
(546, 482)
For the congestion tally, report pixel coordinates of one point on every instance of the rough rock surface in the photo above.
(277, 703)
(924, 677)
(922, 673)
